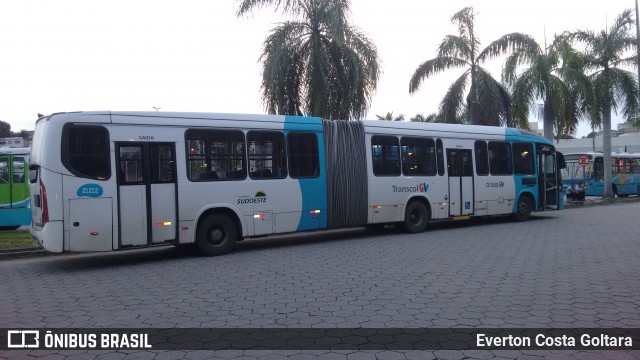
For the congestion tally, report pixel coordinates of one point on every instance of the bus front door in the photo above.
(147, 193)
(460, 170)
(550, 187)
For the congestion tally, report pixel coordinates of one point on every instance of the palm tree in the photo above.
(614, 88)
(488, 101)
(318, 64)
(390, 117)
(422, 118)
(554, 74)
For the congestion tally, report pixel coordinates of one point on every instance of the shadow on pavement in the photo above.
(133, 257)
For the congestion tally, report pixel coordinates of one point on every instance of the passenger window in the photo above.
(4, 170)
(18, 166)
(215, 155)
(162, 164)
(85, 151)
(131, 165)
(385, 155)
(303, 155)
(418, 156)
(482, 158)
(267, 158)
(523, 163)
(499, 158)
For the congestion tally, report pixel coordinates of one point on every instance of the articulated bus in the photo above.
(14, 188)
(588, 169)
(103, 181)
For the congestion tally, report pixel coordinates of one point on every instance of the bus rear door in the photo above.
(147, 193)
(460, 170)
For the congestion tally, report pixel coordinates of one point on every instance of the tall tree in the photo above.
(607, 52)
(5, 129)
(318, 64)
(488, 102)
(554, 74)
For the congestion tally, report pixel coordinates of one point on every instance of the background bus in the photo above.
(14, 188)
(589, 171)
(104, 181)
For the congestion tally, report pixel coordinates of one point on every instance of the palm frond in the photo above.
(465, 19)
(455, 46)
(287, 6)
(282, 70)
(510, 43)
(625, 92)
(452, 103)
(494, 100)
(431, 67)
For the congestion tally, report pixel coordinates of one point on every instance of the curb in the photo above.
(17, 250)
(23, 253)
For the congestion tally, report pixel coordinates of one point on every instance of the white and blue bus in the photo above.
(587, 169)
(103, 181)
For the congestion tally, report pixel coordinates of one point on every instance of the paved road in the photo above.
(575, 268)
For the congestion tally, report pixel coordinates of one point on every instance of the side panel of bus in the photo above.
(457, 189)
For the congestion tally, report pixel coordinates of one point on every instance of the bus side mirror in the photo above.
(561, 163)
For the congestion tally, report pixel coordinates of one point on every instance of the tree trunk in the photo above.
(474, 112)
(606, 149)
(547, 120)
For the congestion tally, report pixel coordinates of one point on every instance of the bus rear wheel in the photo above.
(216, 235)
(523, 209)
(416, 217)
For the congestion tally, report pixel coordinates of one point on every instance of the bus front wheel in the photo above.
(523, 210)
(416, 217)
(216, 235)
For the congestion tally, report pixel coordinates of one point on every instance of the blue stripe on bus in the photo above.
(314, 190)
(15, 217)
(514, 135)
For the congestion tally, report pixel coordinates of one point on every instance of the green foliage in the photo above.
(554, 74)
(390, 117)
(422, 118)
(318, 64)
(5, 129)
(487, 101)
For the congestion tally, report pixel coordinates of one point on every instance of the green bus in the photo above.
(15, 207)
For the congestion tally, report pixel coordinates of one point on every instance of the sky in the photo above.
(197, 55)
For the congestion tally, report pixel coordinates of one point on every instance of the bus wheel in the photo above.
(416, 217)
(216, 235)
(523, 210)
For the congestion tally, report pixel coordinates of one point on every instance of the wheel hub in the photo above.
(216, 235)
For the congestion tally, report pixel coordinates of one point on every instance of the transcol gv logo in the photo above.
(424, 187)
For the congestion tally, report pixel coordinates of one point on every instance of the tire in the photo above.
(216, 235)
(416, 217)
(523, 209)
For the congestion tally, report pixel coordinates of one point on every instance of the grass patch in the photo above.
(15, 239)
